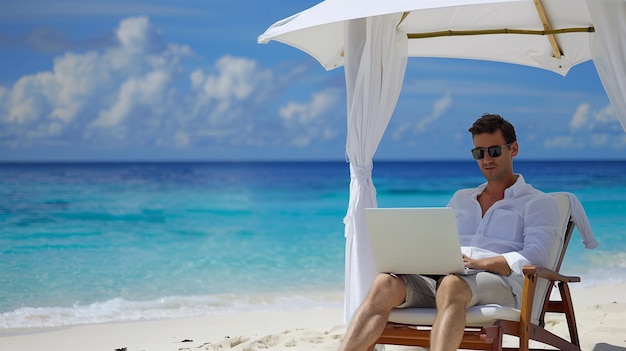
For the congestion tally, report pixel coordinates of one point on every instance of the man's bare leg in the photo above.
(371, 317)
(453, 296)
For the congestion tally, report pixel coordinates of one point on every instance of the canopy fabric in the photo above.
(375, 65)
(319, 30)
(609, 51)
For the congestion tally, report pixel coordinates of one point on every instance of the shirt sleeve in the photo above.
(541, 220)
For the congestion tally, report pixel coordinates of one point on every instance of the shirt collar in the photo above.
(509, 192)
(516, 188)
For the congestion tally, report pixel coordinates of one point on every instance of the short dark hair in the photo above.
(490, 123)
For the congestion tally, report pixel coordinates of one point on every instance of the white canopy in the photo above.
(373, 38)
(450, 28)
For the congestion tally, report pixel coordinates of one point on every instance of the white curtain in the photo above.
(375, 63)
(609, 51)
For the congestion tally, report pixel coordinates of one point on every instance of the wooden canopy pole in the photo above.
(452, 33)
(546, 26)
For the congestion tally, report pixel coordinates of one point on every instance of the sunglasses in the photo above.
(493, 151)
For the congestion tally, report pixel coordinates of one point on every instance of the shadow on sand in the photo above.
(608, 347)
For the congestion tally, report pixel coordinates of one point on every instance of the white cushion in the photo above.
(476, 315)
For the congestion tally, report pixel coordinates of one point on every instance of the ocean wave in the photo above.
(597, 268)
(121, 310)
(172, 307)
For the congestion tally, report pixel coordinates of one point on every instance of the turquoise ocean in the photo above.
(106, 242)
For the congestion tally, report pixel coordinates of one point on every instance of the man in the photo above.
(504, 224)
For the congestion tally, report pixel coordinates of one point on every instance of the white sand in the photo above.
(600, 313)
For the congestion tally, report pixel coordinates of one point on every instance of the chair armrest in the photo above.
(531, 275)
(542, 272)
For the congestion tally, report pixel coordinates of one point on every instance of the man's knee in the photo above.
(387, 286)
(453, 289)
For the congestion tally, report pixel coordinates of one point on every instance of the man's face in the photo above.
(494, 168)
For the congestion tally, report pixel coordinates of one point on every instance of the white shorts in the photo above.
(485, 287)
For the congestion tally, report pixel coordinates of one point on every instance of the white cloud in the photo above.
(141, 92)
(147, 90)
(237, 79)
(138, 34)
(75, 79)
(290, 112)
(440, 107)
(98, 88)
(4, 97)
(586, 119)
(399, 131)
(591, 129)
(581, 117)
(311, 120)
(298, 114)
(605, 115)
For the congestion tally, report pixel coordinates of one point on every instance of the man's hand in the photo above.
(496, 264)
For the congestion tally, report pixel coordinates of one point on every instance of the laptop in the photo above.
(415, 240)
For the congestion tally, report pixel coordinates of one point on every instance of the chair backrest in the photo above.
(566, 227)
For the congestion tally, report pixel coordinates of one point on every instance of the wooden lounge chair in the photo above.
(486, 324)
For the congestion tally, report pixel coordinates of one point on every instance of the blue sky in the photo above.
(186, 80)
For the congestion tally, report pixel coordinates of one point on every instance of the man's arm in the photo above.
(541, 227)
(496, 264)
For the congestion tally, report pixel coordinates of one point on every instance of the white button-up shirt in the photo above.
(522, 227)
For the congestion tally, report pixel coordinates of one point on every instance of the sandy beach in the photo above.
(600, 313)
